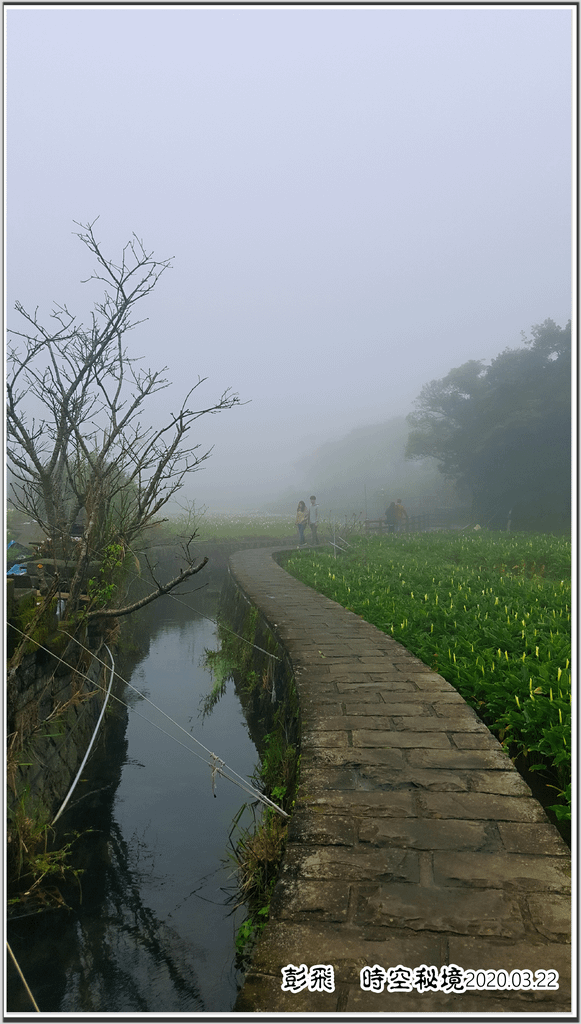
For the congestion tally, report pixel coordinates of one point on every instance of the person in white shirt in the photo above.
(314, 518)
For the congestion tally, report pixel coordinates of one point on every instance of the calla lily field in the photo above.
(491, 612)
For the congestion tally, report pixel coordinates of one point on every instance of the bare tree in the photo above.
(76, 438)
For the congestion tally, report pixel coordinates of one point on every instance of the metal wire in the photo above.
(237, 780)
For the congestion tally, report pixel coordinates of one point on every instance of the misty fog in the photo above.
(355, 201)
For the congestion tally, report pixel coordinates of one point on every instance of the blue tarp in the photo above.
(17, 570)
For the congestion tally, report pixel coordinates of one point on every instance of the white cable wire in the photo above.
(185, 731)
(84, 761)
(238, 781)
(212, 764)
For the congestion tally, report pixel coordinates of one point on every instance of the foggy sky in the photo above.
(356, 200)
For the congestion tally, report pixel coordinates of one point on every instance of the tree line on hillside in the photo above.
(494, 438)
(364, 470)
(502, 433)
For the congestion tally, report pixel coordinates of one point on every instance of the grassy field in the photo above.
(240, 525)
(491, 612)
(228, 526)
(271, 525)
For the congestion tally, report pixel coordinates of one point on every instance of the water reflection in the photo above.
(153, 933)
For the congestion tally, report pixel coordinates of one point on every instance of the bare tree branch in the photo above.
(77, 438)
(161, 590)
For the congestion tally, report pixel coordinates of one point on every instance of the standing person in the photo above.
(301, 521)
(314, 518)
(401, 515)
(391, 517)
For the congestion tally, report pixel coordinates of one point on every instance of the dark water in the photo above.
(154, 931)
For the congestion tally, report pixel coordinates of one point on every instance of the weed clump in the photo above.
(269, 699)
(34, 863)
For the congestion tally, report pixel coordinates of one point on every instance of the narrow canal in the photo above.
(154, 932)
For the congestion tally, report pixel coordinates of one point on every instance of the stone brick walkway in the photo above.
(414, 840)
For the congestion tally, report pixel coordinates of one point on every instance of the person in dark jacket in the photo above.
(391, 517)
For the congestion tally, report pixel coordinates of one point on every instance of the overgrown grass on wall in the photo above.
(257, 851)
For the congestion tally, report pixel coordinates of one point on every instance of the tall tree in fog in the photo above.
(503, 432)
(79, 436)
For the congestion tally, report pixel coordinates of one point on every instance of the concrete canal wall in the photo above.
(51, 710)
(420, 875)
(52, 714)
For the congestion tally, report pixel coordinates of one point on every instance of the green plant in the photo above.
(256, 853)
(257, 850)
(102, 588)
(278, 764)
(34, 865)
(221, 665)
(489, 612)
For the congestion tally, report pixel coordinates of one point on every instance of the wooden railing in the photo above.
(438, 519)
(413, 524)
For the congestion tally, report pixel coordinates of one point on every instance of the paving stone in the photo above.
(419, 834)
(414, 702)
(338, 664)
(458, 759)
(305, 862)
(497, 871)
(371, 696)
(390, 704)
(312, 738)
(390, 803)
(386, 685)
(386, 678)
(475, 740)
(509, 783)
(417, 778)
(349, 721)
(315, 682)
(352, 678)
(315, 716)
(310, 659)
(319, 756)
(294, 898)
(428, 681)
(377, 737)
(417, 723)
(481, 806)
(551, 915)
(463, 911)
(330, 829)
(379, 666)
(523, 838)
(313, 780)
(460, 719)
(444, 701)
(391, 758)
